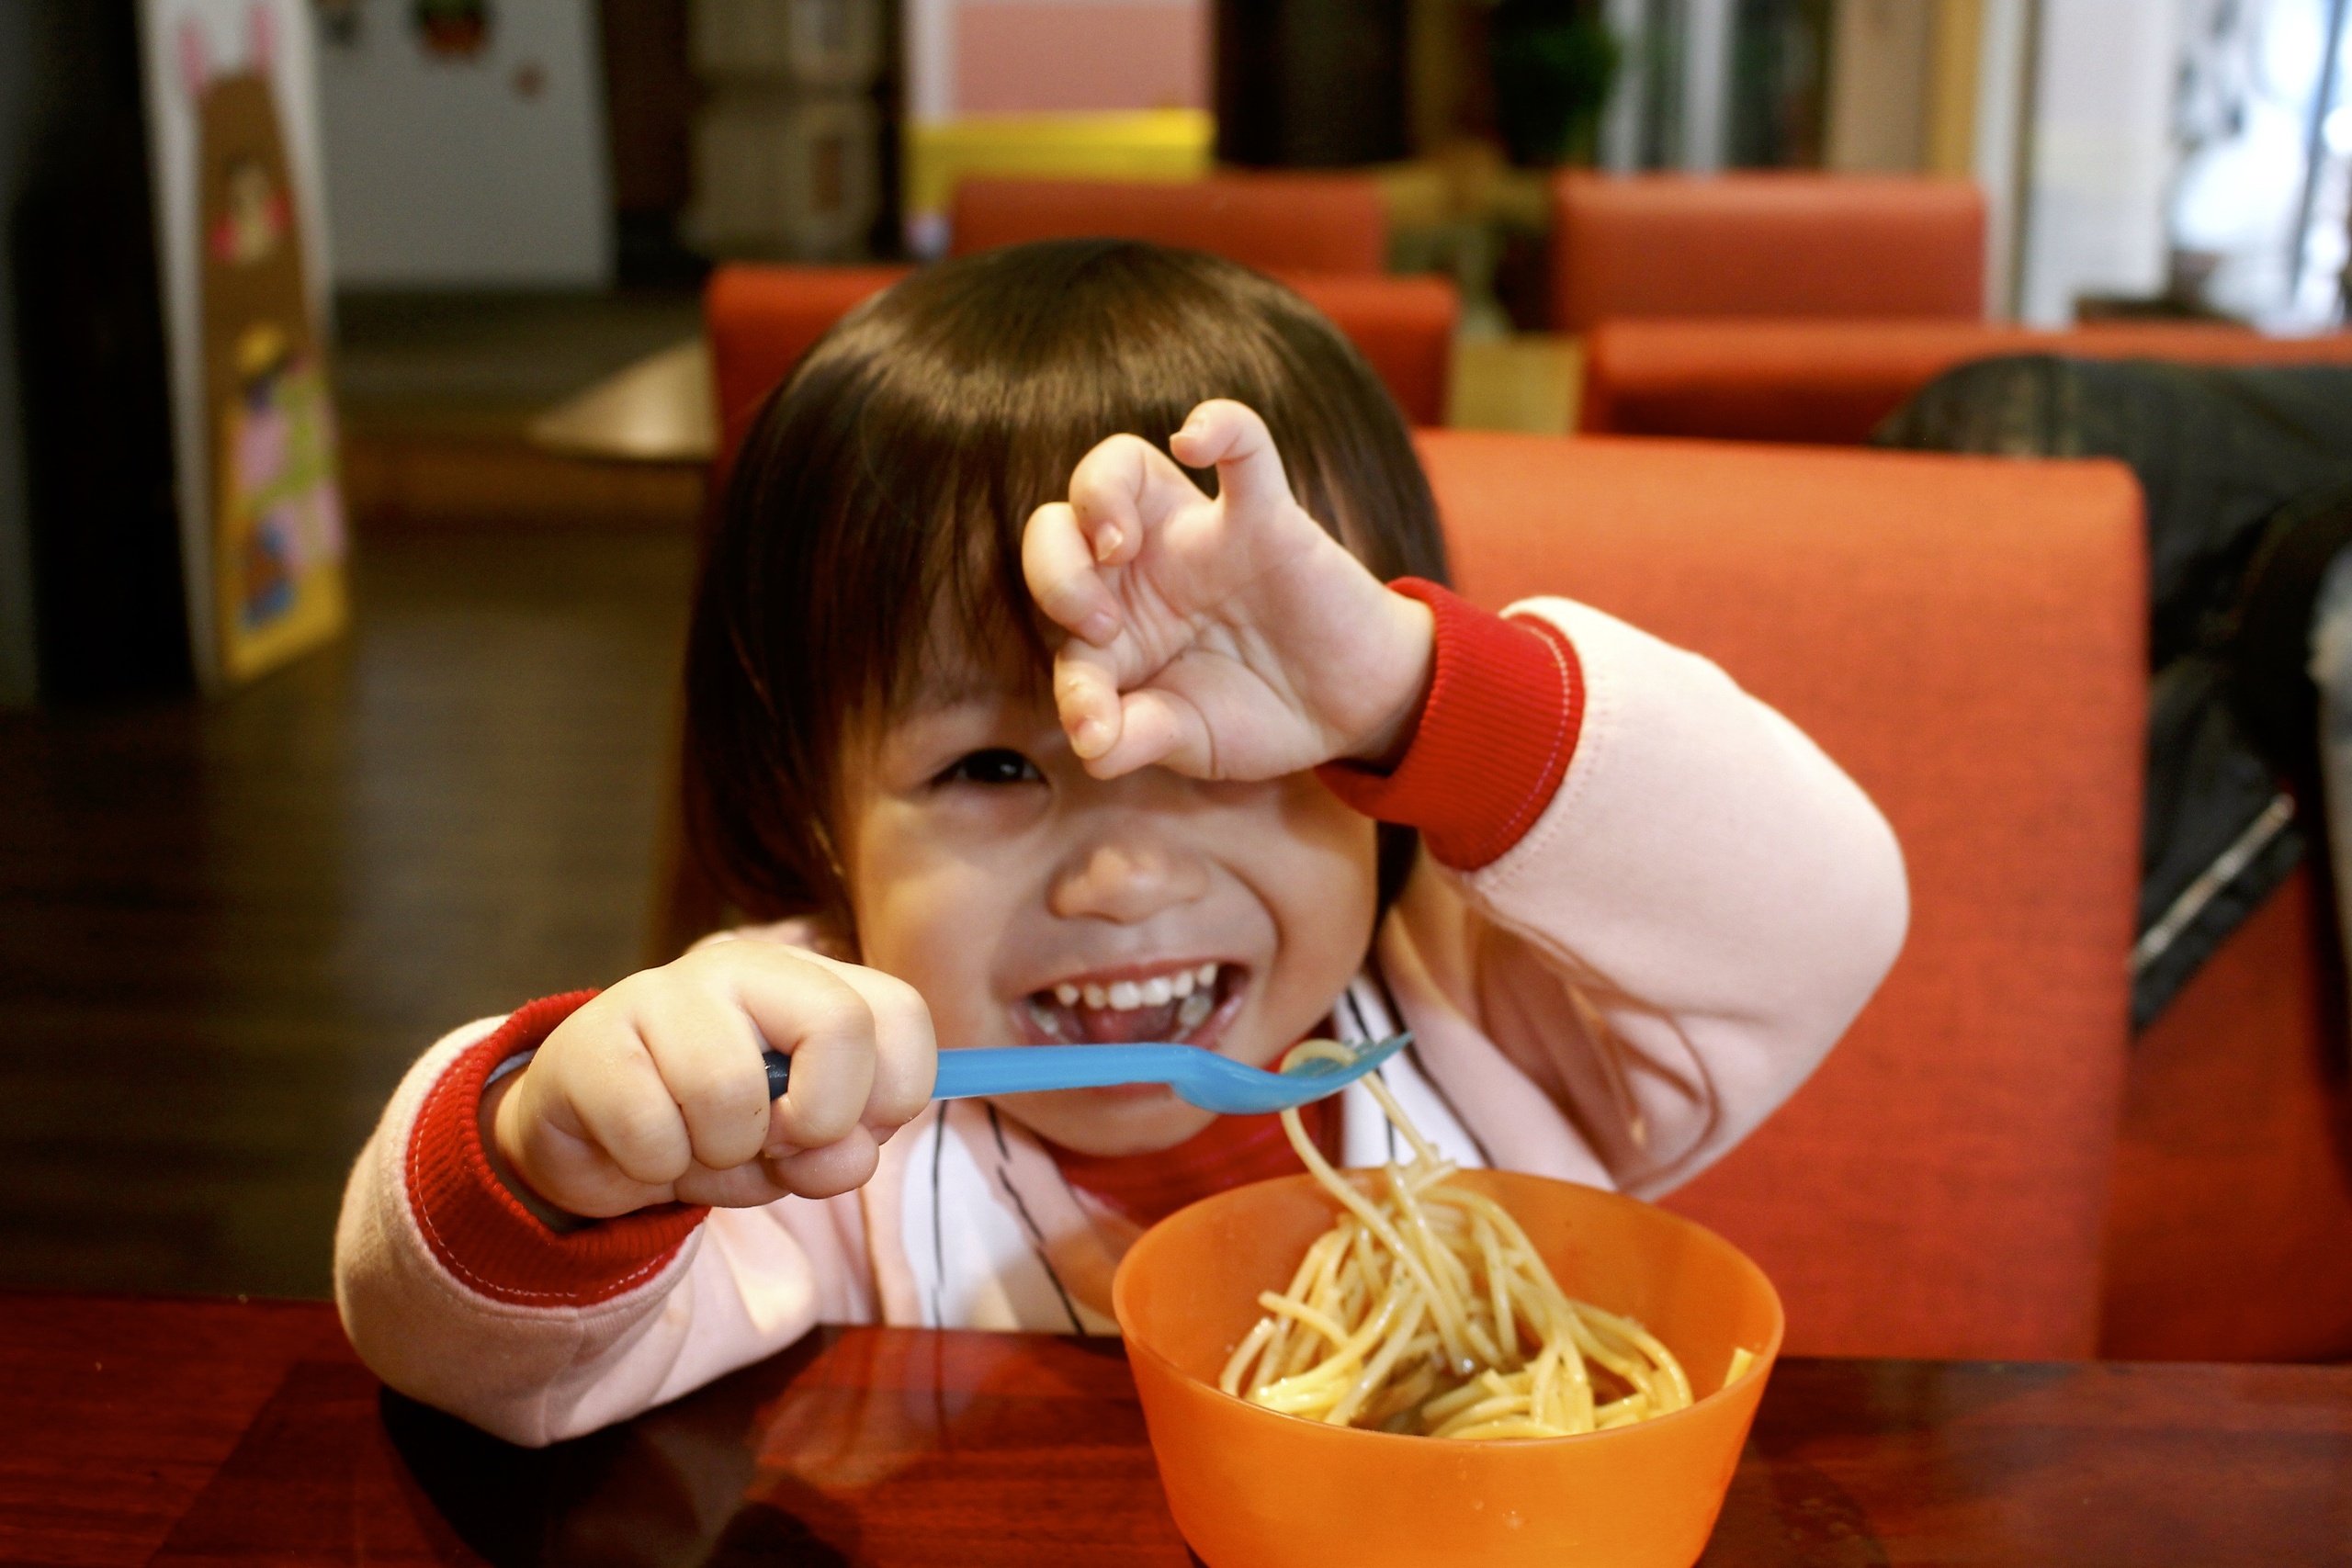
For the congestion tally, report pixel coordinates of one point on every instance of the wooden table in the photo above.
(186, 1432)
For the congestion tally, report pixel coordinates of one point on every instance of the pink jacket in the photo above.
(1648, 907)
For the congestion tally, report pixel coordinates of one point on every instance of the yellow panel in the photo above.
(1148, 144)
(1952, 87)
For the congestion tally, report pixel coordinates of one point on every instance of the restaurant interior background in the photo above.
(234, 906)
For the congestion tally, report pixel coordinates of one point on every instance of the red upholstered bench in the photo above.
(1832, 382)
(1965, 635)
(2231, 1233)
(1764, 245)
(761, 319)
(1275, 222)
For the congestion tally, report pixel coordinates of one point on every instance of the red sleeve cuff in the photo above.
(1496, 735)
(482, 1234)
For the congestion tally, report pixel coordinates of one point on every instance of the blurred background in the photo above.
(263, 837)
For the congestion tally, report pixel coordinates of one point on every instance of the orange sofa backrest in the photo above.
(761, 319)
(1764, 245)
(2230, 1234)
(1832, 382)
(1275, 222)
(1965, 636)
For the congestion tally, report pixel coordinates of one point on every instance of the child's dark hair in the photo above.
(890, 476)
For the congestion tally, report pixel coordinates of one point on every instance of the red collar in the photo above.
(1233, 1151)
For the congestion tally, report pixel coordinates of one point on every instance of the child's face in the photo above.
(987, 869)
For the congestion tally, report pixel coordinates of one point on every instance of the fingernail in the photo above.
(1099, 628)
(1106, 544)
(1091, 738)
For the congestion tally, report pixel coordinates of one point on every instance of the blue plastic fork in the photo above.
(1200, 1077)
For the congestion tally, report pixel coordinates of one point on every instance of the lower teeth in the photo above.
(1191, 1013)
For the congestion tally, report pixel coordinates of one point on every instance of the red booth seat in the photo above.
(1965, 635)
(1764, 245)
(2232, 1234)
(1275, 222)
(1404, 325)
(763, 319)
(1980, 1168)
(1832, 382)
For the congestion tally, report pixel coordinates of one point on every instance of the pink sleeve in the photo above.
(1666, 936)
(456, 1294)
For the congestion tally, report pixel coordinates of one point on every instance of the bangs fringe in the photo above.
(878, 502)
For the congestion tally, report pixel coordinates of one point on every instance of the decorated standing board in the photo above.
(262, 524)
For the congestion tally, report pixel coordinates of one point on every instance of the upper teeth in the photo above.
(1123, 996)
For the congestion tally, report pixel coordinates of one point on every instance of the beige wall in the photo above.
(1903, 80)
(979, 57)
(1879, 56)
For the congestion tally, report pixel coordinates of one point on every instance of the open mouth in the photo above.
(1171, 1003)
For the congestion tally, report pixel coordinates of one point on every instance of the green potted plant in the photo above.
(1553, 61)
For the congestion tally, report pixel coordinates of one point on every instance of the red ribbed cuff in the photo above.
(482, 1234)
(1496, 733)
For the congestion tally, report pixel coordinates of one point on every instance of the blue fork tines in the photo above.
(1202, 1078)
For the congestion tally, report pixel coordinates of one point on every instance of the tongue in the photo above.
(1117, 1026)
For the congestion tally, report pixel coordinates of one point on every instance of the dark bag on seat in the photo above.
(2233, 568)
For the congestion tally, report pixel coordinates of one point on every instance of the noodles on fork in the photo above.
(1429, 1312)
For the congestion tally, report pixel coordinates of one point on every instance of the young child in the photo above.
(1031, 722)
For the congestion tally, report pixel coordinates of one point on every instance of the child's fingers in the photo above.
(905, 1052)
(1156, 727)
(1058, 564)
(1120, 490)
(624, 1105)
(708, 1054)
(751, 1185)
(1086, 699)
(818, 1020)
(554, 1125)
(1230, 437)
(837, 1167)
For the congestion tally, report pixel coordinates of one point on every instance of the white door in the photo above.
(465, 143)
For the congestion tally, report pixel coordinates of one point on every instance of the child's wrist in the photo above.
(1404, 678)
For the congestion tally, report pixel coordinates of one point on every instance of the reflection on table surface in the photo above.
(181, 1431)
(855, 1446)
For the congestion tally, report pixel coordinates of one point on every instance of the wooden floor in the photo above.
(225, 929)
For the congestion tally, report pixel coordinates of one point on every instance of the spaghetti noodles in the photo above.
(1429, 1312)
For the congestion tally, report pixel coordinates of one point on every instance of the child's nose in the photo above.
(1126, 884)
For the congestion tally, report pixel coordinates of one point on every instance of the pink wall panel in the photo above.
(1042, 56)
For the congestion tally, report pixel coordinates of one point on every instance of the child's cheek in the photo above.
(925, 930)
(918, 904)
(1320, 879)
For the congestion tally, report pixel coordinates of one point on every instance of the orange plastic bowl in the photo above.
(1251, 1488)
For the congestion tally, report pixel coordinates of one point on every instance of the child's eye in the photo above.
(994, 766)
